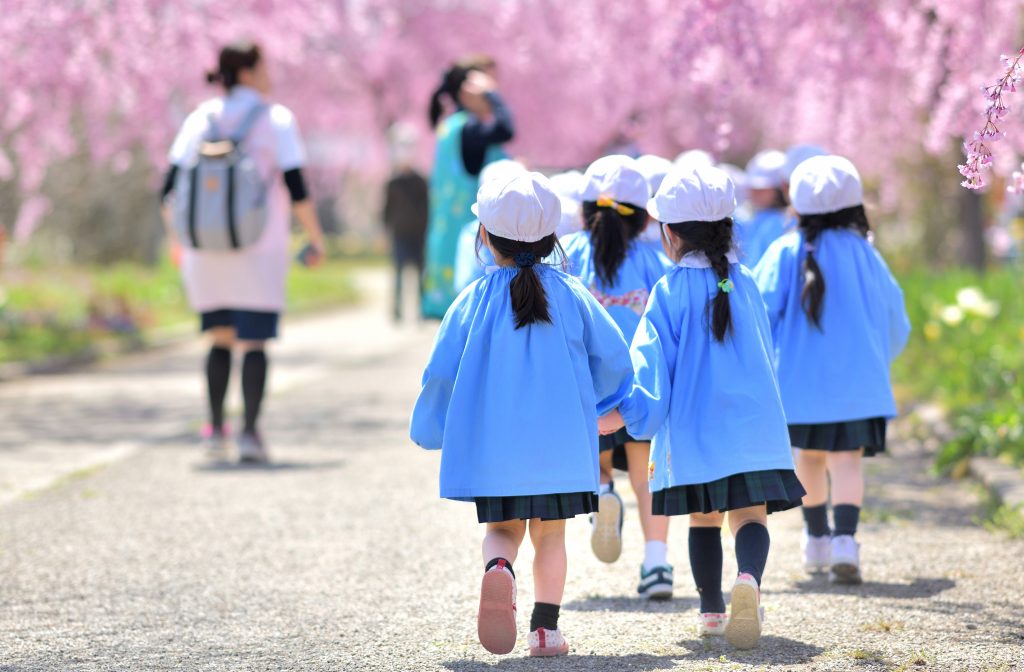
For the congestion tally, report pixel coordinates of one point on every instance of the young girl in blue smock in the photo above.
(608, 257)
(524, 362)
(705, 390)
(838, 321)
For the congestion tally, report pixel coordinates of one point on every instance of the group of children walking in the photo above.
(681, 365)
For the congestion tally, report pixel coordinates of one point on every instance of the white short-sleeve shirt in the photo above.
(252, 278)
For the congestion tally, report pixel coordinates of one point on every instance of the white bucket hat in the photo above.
(704, 194)
(797, 154)
(825, 184)
(520, 207)
(764, 171)
(616, 177)
(694, 158)
(501, 168)
(654, 169)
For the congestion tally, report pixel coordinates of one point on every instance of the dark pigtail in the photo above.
(812, 295)
(714, 240)
(529, 300)
(234, 58)
(611, 234)
(451, 83)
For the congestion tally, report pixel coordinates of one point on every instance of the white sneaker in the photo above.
(711, 624)
(251, 449)
(544, 642)
(745, 616)
(606, 534)
(845, 561)
(496, 618)
(817, 552)
(215, 444)
(657, 583)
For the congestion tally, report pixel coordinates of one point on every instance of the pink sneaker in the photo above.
(710, 624)
(544, 642)
(496, 620)
(745, 617)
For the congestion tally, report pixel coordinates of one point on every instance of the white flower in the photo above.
(974, 302)
(951, 315)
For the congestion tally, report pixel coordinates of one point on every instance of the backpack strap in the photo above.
(247, 123)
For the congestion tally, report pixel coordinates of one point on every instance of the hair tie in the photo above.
(604, 201)
(525, 259)
(725, 284)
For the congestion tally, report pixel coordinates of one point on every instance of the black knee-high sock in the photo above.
(847, 516)
(254, 380)
(816, 519)
(752, 543)
(218, 372)
(706, 567)
(544, 616)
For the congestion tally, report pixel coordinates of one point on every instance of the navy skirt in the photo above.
(559, 506)
(617, 444)
(777, 489)
(868, 434)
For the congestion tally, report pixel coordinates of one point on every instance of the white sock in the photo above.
(655, 555)
(605, 488)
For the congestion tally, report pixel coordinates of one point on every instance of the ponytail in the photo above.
(233, 58)
(812, 295)
(529, 300)
(714, 241)
(451, 83)
(611, 233)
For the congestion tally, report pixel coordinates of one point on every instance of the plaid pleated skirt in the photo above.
(777, 489)
(617, 444)
(841, 436)
(559, 506)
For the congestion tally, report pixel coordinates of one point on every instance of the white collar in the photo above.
(699, 260)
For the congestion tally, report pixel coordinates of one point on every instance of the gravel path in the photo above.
(341, 556)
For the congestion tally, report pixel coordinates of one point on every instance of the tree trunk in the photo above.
(972, 229)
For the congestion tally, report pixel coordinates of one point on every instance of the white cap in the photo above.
(825, 184)
(501, 168)
(692, 158)
(739, 179)
(797, 154)
(654, 168)
(764, 171)
(567, 185)
(618, 177)
(703, 194)
(520, 207)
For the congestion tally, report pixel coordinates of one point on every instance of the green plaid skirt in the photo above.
(778, 489)
(617, 444)
(558, 506)
(841, 436)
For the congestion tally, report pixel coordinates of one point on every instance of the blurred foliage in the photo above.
(966, 354)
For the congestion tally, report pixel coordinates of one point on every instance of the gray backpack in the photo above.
(221, 200)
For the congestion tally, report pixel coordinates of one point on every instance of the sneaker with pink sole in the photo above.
(496, 619)
(216, 442)
(544, 642)
(745, 616)
(711, 624)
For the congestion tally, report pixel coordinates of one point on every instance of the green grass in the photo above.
(51, 312)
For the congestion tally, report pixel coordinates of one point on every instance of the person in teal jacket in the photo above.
(838, 320)
(610, 259)
(524, 363)
(705, 390)
(472, 259)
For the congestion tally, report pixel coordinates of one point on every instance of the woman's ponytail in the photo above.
(611, 232)
(812, 294)
(529, 300)
(234, 58)
(451, 83)
(436, 108)
(714, 241)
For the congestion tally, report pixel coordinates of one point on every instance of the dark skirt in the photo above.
(868, 434)
(558, 506)
(617, 444)
(778, 489)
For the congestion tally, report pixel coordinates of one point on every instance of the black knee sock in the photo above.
(254, 380)
(816, 519)
(508, 566)
(706, 567)
(218, 372)
(544, 616)
(752, 543)
(846, 516)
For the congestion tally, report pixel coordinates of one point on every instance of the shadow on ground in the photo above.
(635, 663)
(639, 605)
(919, 588)
(770, 651)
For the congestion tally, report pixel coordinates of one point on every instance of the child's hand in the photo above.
(611, 423)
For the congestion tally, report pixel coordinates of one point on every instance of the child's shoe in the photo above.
(745, 615)
(845, 560)
(215, 443)
(710, 624)
(817, 552)
(496, 619)
(657, 583)
(544, 642)
(606, 534)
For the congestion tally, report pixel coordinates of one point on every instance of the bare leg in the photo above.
(844, 469)
(812, 472)
(549, 562)
(606, 467)
(503, 539)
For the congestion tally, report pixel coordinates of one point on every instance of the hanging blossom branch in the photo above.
(978, 149)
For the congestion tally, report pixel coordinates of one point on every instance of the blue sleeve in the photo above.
(774, 276)
(608, 353)
(428, 415)
(468, 266)
(653, 353)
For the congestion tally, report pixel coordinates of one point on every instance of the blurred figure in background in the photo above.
(767, 220)
(406, 209)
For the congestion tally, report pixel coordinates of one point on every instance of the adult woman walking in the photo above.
(239, 292)
(467, 140)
